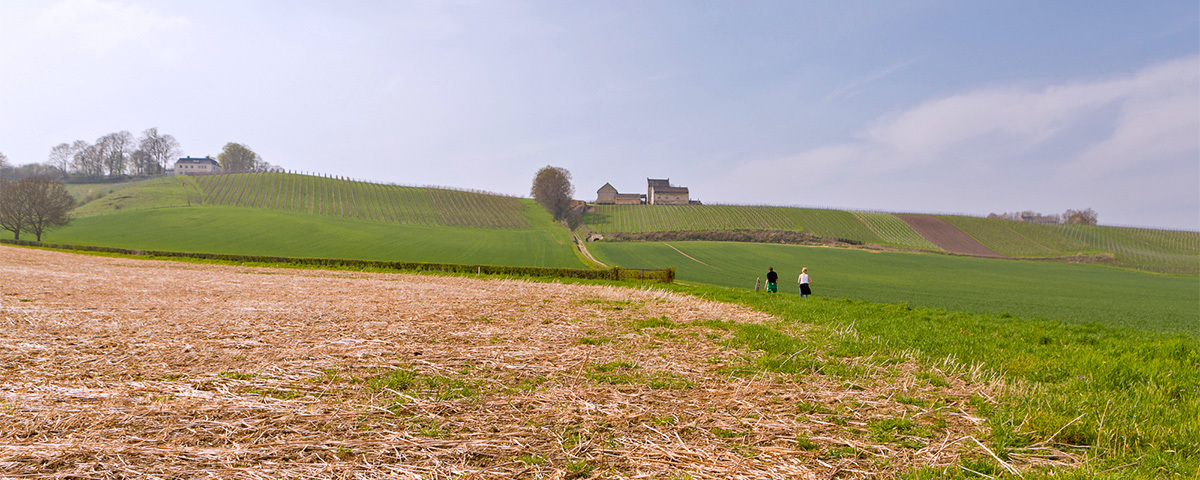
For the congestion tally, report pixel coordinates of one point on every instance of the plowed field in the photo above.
(947, 236)
(117, 367)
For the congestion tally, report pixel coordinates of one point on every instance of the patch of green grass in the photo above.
(250, 231)
(238, 375)
(530, 459)
(437, 387)
(579, 467)
(1076, 293)
(899, 431)
(726, 433)
(1127, 397)
(659, 322)
(805, 443)
(813, 407)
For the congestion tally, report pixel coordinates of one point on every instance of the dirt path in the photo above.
(116, 367)
(947, 236)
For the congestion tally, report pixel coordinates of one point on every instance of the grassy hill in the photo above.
(310, 216)
(1166, 251)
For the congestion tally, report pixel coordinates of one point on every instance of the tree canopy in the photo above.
(553, 190)
(236, 157)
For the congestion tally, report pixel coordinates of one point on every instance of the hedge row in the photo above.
(666, 275)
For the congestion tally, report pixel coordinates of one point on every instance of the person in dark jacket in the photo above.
(772, 280)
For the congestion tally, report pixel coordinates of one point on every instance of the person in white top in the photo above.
(804, 281)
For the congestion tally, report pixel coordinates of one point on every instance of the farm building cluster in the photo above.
(658, 192)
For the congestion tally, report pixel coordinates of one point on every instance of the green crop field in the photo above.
(1168, 251)
(266, 232)
(360, 200)
(865, 227)
(313, 216)
(1077, 293)
(1165, 251)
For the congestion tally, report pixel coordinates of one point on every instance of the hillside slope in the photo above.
(1164, 251)
(310, 216)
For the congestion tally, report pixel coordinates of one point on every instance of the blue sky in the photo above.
(946, 107)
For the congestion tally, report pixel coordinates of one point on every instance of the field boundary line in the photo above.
(690, 257)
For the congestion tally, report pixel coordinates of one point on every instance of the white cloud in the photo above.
(1010, 142)
(1160, 118)
(101, 27)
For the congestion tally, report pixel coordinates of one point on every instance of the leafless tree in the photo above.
(61, 156)
(141, 163)
(89, 159)
(115, 148)
(48, 204)
(160, 148)
(13, 211)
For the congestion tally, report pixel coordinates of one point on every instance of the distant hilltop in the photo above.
(658, 192)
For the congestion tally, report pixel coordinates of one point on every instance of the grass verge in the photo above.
(1116, 403)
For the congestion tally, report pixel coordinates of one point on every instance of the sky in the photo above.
(954, 107)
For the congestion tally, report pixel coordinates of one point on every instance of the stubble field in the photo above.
(118, 367)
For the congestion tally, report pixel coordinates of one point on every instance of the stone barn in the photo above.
(607, 195)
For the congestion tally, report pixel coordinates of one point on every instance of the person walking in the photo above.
(772, 280)
(804, 280)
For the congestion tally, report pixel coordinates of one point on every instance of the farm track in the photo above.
(947, 236)
(119, 367)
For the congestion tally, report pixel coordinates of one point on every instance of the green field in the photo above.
(865, 227)
(267, 232)
(1168, 251)
(295, 215)
(1072, 292)
(1165, 251)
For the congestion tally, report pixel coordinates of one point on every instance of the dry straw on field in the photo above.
(119, 368)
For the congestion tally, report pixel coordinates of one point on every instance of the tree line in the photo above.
(121, 154)
(1086, 216)
(116, 154)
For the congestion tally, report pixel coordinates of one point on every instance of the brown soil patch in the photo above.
(123, 368)
(947, 236)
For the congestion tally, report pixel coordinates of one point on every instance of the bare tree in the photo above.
(160, 147)
(553, 190)
(115, 148)
(48, 204)
(88, 160)
(141, 163)
(236, 157)
(61, 156)
(14, 212)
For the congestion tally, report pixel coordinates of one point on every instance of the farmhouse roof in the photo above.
(607, 186)
(196, 161)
